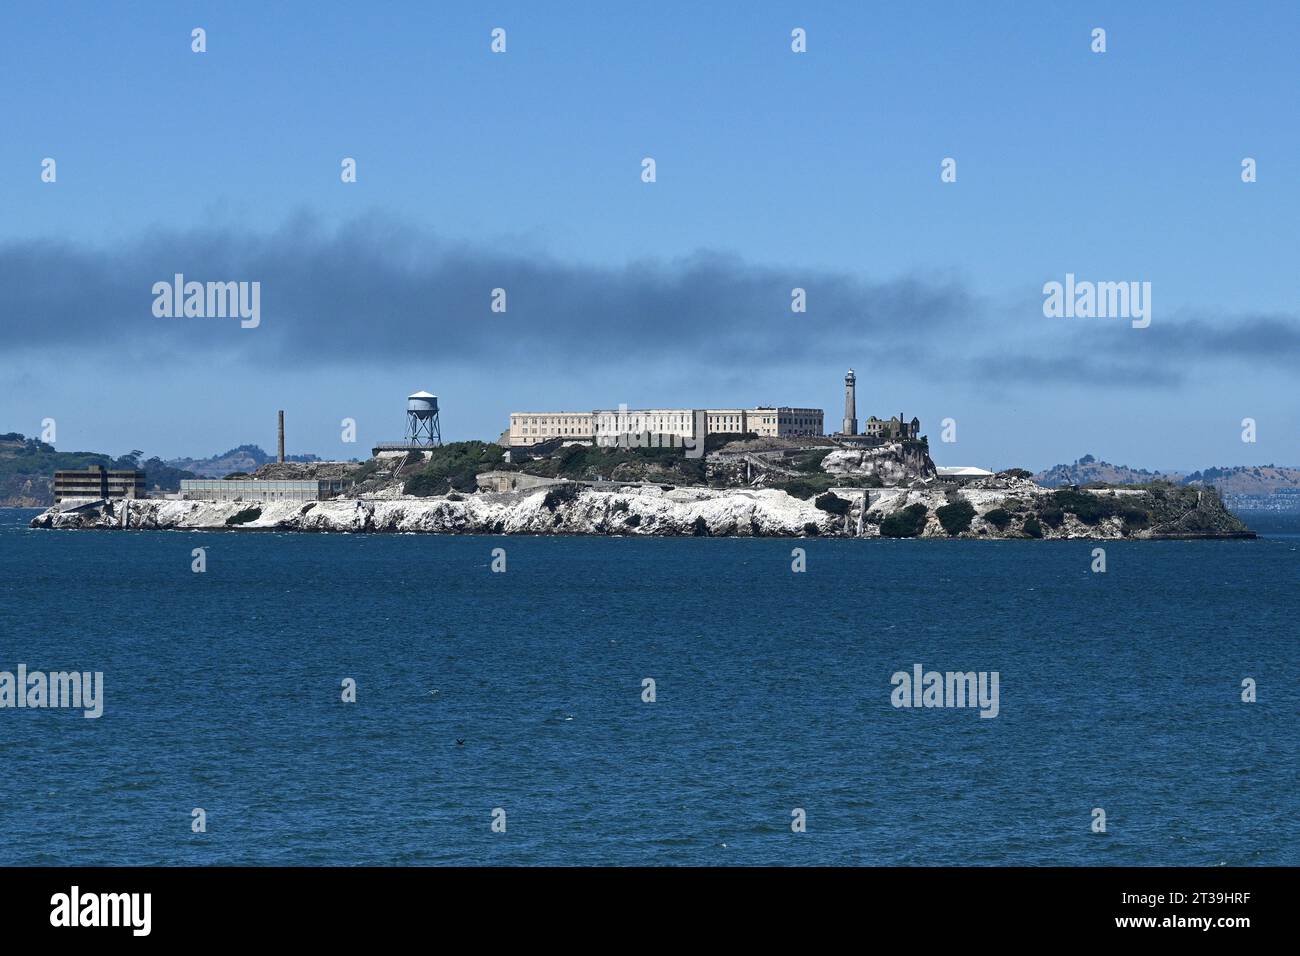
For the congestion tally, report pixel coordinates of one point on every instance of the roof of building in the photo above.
(962, 471)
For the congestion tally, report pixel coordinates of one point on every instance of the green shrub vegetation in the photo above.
(806, 488)
(561, 494)
(1135, 518)
(1093, 509)
(811, 461)
(832, 503)
(905, 523)
(1052, 517)
(999, 518)
(453, 467)
(956, 517)
(245, 516)
(1087, 508)
(1033, 528)
(365, 471)
(813, 485)
(594, 462)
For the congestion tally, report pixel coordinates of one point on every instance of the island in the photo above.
(743, 485)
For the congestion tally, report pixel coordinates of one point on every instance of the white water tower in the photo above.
(422, 427)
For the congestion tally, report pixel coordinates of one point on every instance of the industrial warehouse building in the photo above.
(530, 428)
(256, 489)
(97, 482)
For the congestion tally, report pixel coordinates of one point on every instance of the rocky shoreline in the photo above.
(995, 509)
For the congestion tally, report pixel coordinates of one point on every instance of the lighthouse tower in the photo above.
(850, 404)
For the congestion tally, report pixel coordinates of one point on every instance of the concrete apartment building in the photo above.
(530, 428)
(97, 482)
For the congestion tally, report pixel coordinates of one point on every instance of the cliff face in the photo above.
(649, 512)
(1019, 510)
(1015, 508)
(895, 464)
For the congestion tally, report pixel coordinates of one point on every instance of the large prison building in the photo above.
(530, 428)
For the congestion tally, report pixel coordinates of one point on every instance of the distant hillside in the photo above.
(1247, 480)
(1240, 480)
(1088, 469)
(27, 468)
(245, 458)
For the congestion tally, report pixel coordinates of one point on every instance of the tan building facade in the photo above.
(785, 422)
(637, 421)
(529, 428)
(726, 421)
(605, 425)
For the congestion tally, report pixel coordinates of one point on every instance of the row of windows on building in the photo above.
(526, 428)
(98, 482)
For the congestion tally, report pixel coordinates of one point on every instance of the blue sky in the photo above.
(775, 170)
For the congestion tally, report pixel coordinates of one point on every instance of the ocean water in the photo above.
(222, 692)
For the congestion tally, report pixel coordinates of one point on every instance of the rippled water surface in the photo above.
(523, 691)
